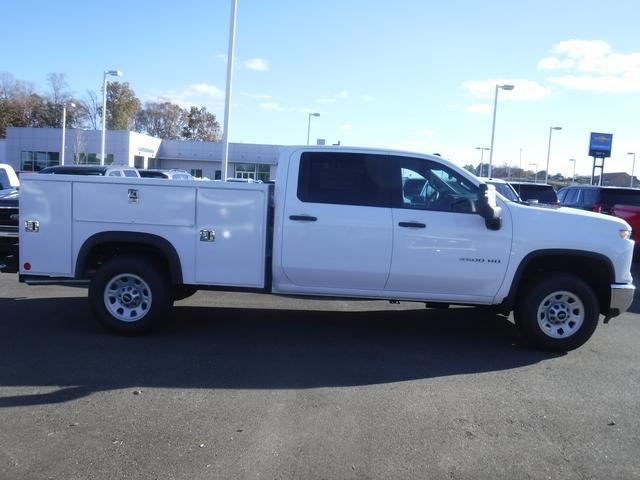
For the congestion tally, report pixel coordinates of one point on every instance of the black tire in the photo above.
(134, 280)
(180, 292)
(549, 310)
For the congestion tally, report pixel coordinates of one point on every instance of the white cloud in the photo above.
(347, 128)
(425, 133)
(333, 98)
(592, 65)
(256, 64)
(271, 106)
(197, 94)
(524, 90)
(257, 96)
(479, 108)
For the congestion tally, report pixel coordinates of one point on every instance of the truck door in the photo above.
(442, 248)
(336, 227)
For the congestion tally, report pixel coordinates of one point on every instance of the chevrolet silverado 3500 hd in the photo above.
(339, 222)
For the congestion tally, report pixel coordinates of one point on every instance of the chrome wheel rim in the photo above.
(560, 314)
(127, 297)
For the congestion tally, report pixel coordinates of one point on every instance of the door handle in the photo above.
(303, 218)
(412, 224)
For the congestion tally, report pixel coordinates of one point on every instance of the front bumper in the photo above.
(621, 299)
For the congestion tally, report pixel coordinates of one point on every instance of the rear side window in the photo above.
(620, 197)
(342, 178)
(130, 173)
(589, 196)
(115, 173)
(4, 179)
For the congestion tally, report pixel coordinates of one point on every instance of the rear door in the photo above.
(337, 231)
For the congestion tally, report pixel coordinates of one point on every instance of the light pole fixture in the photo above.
(493, 127)
(113, 73)
(633, 167)
(64, 128)
(482, 150)
(309, 124)
(535, 171)
(573, 177)
(546, 173)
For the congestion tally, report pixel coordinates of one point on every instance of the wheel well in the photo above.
(102, 247)
(595, 270)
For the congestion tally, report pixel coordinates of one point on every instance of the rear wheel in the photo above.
(129, 294)
(557, 312)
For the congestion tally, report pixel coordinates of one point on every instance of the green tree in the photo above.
(161, 119)
(470, 168)
(201, 125)
(122, 106)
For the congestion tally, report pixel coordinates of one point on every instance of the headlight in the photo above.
(625, 234)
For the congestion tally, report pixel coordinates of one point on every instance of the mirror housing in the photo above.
(488, 208)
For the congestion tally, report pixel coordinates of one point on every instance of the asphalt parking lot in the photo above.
(257, 386)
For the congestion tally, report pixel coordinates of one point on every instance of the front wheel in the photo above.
(557, 312)
(129, 294)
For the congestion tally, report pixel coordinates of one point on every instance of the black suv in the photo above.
(598, 199)
(542, 192)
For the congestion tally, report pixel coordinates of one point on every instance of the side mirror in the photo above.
(488, 208)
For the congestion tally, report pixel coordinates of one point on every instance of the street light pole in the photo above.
(113, 73)
(535, 171)
(493, 126)
(573, 178)
(64, 128)
(227, 101)
(546, 173)
(309, 124)
(633, 167)
(482, 150)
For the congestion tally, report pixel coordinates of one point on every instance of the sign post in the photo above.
(599, 148)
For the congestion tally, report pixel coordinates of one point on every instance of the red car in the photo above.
(617, 201)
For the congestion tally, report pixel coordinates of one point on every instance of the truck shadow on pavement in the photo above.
(55, 344)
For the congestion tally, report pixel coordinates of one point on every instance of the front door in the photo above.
(441, 247)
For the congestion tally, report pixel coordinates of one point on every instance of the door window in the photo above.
(571, 197)
(426, 185)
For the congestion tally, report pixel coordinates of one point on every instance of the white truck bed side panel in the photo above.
(110, 202)
(48, 250)
(238, 216)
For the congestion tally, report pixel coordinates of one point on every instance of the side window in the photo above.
(130, 173)
(342, 178)
(426, 185)
(4, 179)
(115, 173)
(589, 196)
(571, 196)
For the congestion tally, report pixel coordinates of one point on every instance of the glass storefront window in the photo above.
(255, 171)
(36, 161)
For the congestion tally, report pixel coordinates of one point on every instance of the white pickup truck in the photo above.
(339, 222)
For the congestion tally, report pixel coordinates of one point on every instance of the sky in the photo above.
(408, 74)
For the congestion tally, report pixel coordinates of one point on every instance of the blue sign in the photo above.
(600, 145)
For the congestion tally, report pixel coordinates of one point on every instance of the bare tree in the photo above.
(79, 144)
(90, 108)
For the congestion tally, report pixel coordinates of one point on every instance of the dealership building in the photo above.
(32, 149)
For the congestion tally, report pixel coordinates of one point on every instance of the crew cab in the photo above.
(339, 223)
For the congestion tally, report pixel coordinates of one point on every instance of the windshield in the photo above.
(506, 191)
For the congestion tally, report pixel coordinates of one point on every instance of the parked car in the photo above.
(503, 188)
(9, 185)
(339, 225)
(536, 192)
(617, 201)
(170, 174)
(96, 170)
